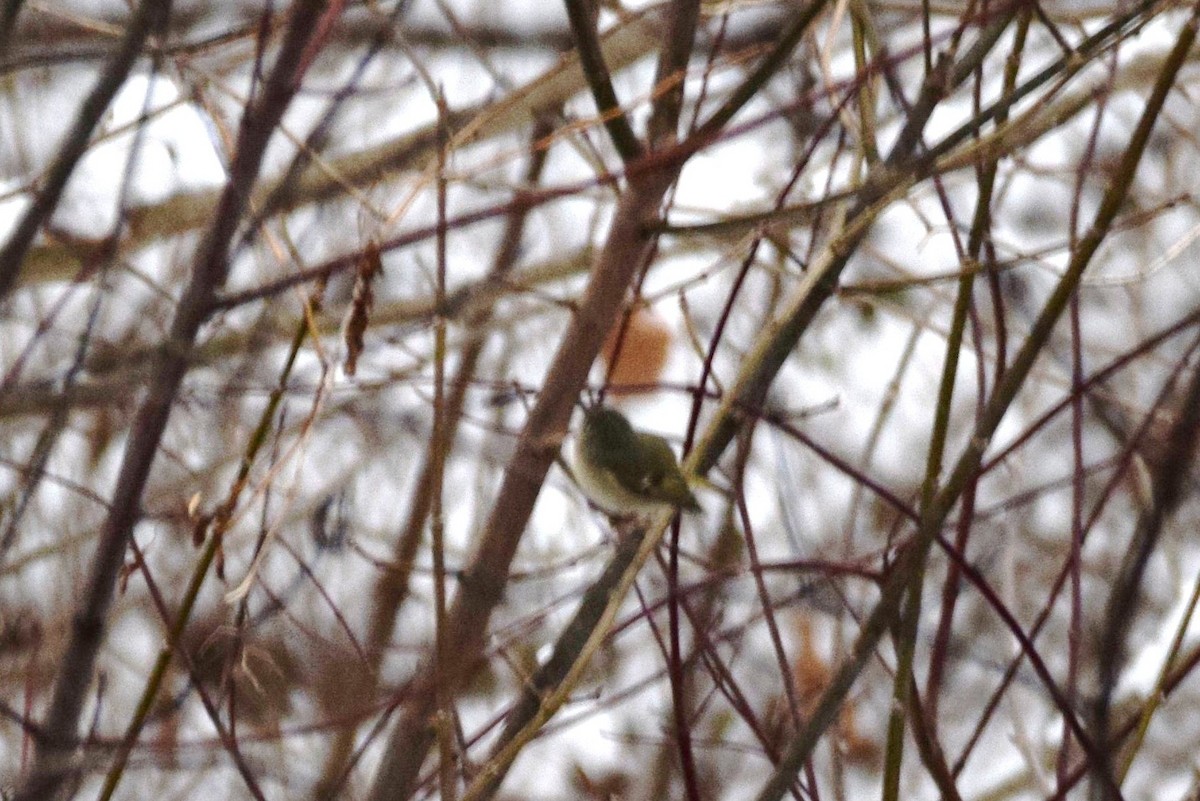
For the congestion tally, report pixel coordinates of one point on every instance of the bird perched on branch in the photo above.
(625, 471)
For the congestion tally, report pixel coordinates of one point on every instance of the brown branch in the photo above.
(484, 580)
(582, 17)
(679, 38)
(151, 14)
(51, 764)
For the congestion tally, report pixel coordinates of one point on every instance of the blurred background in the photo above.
(284, 288)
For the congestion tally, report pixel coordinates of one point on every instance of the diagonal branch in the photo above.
(874, 628)
(52, 761)
(151, 14)
(484, 580)
(582, 17)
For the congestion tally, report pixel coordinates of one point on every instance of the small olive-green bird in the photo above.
(625, 471)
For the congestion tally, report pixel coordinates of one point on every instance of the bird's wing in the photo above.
(665, 482)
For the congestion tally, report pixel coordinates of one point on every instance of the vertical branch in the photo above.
(1074, 557)
(439, 447)
(671, 73)
(392, 587)
(677, 671)
(51, 764)
(909, 614)
(670, 79)
(978, 238)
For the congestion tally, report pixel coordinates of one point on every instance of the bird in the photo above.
(625, 471)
